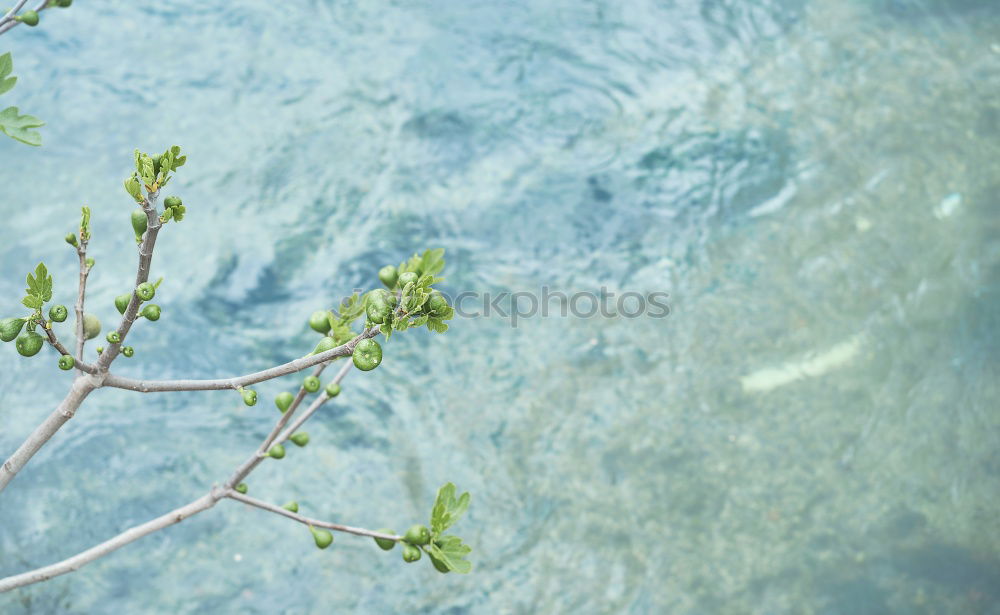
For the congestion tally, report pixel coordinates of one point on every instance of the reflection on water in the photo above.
(814, 183)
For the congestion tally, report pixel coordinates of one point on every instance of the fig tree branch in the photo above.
(81, 251)
(83, 558)
(236, 495)
(297, 365)
(82, 366)
(322, 399)
(8, 21)
(142, 275)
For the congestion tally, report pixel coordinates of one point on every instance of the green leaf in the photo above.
(435, 325)
(7, 84)
(447, 509)
(43, 282)
(432, 262)
(451, 551)
(32, 302)
(85, 222)
(19, 127)
(6, 65)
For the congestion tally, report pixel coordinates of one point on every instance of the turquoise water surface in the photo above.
(814, 428)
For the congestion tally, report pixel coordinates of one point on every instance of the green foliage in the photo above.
(12, 123)
(153, 173)
(39, 289)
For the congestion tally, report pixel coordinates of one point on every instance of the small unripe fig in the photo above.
(151, 312)
(311, 384)
(327, 343)
(113, 337)
(242, 488)
(145, 291)
(99, 349)
(91, 326)
(172, 201)
(408, 278)
(277, 452)
(29, 343)
(332, 389)
(28, 18)
(90, 263)
(249, 397)
(66, 362)
(58, 313)
(121, 302)
(64, 4)
(283, 401)
(410, 553)
(10, 328)
(139, 222)
(417, 535)
(323, 538)
(292, 506)
(128, 351)
(319, 322)
(389, 275)
(436, 303)
(300, 439)
(367, 355)
(377, 311)
(384, 543)
(71, 239)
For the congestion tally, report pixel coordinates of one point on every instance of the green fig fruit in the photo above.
(417, 535)
(121, 302)
(172, 201)
(283, 401)
(91, 326)
(90, 263)
(436, 303)
(327, 343)
(64, 4)
(300, 438)
(58, 313)
(410, 553)
(128, 351)
(242, 488)
(28, 18)
(99, 349)
(377, 311)
(66, 362)
(71, 239)
(332, 389)
(367, 355)
(388, 275)
(151, 312)
(277, 452)
(249, 397)
(10, 328)
(29, 343)
(145, 291)
(384, 543)
(319, 322)
(323, 538)
(292, 506)
(113, 337)
(139, 222)
(408, 278)
(311, 384)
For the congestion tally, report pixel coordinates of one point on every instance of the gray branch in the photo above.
(152, 386)
(7, 21)
(358, 531)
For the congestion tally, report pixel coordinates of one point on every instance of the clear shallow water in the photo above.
(813, 429)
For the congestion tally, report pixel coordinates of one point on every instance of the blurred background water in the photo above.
(813, 429)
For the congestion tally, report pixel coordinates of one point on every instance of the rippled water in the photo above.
(813, 429)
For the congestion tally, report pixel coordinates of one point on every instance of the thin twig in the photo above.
(358, 531)
(81, 252)
(83, 367)
(8, 21)
(314, 407)
(142, 275)
(151, 386)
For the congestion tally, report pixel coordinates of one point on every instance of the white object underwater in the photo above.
(769, 378)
